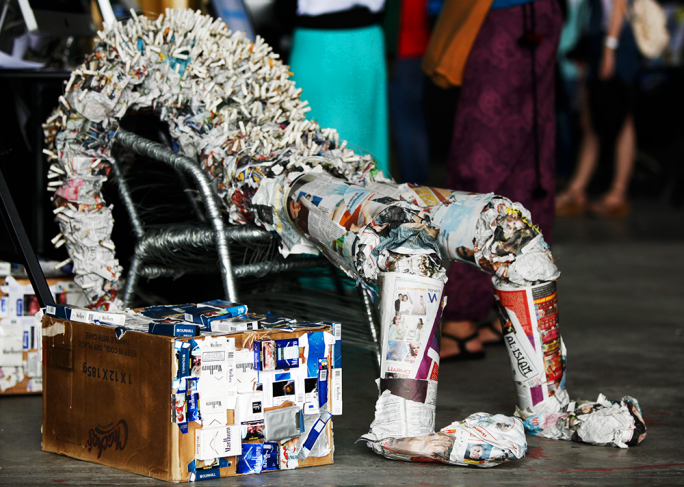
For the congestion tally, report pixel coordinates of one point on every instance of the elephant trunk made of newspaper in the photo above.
(230, 105)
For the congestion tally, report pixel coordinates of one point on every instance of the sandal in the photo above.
(610, 208)
(463, 353)
(490, 325)
(571, 203)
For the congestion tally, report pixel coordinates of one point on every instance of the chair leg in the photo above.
(372, 322)
(131, 280)
(127, 199)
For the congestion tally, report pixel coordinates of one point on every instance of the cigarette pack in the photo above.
(174, 329)
(193, 412)
(63, 311)
(252, 458)
(84, 315)
(246, 322)
(204, 313)
(183, 361)
(287, 353)
(270, 452)
(265, 355)
(253, 430)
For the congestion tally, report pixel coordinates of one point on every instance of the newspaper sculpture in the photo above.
(230, 105)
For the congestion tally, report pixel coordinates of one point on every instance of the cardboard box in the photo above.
(20, 338)
(110, 401)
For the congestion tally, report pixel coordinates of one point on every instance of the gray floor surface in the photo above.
(622, 317)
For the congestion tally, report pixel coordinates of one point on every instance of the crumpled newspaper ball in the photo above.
(603, 422)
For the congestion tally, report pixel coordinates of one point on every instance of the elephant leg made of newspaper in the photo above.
(231, 106)
(530, 326)
(397, 236)
(404, 425)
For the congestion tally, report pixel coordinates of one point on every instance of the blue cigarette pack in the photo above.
(206, 474)
(270, 453)
(193, 411)
(204, 313)
(252, 458)
(183, 361)
(175, 329)
(322, 383)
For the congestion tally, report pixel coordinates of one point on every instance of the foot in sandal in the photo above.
(571, 203)
(461, 341)
(610, 206)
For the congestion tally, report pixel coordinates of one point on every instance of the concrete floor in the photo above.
(622, 309)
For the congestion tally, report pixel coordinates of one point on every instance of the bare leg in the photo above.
(626, 149)
(614, 202)
(574, 198)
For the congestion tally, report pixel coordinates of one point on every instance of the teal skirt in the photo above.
(344, 78)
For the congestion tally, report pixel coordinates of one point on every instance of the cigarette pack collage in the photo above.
(190, 408)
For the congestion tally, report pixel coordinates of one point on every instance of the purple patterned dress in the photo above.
(493, 146)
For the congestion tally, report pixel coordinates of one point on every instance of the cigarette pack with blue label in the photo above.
(265, 355)
(193, 411)
(204, 313)
(206, 474)
(270, 453)
(236, 309)
(287, 353)
(322, 384)
(175, 329)
(252, 458)
(200, 470)
(183, 361)
(257, 355)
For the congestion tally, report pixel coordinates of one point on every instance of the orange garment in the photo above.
(453, 37)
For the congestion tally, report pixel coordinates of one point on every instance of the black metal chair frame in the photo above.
(217, 234)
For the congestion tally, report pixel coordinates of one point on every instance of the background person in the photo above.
(338, 59)
(607, 116)
(503, 53)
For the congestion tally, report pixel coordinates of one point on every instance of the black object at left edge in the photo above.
(15, 247)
